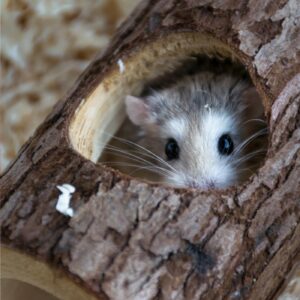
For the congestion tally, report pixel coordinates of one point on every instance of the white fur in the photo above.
(209, 167)
(213, 167)
(178, 127)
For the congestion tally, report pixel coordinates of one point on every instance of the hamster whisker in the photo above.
(128, 155)
(245, 143)
(128, 142)
(153, 155)
(145, 153)
(157, 158)
(133, 157)
(241, 171)
(248, 156)
(255, 120)
(126, 164)
(155, 169)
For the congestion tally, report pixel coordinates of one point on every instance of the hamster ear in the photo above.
(137, 110)
(255, 108)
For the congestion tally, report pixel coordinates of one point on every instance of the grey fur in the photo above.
(188, 96)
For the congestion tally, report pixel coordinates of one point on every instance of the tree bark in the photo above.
(135, 240)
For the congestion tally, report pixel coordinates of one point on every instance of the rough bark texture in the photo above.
(132, 240)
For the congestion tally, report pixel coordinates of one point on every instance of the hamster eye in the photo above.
(225, 144)
(172, 149)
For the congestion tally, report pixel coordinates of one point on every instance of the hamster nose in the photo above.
(209, 184)
(193, 184)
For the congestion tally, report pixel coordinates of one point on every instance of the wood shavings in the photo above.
(41, 57)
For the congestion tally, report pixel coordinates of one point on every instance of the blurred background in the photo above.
(45, 45)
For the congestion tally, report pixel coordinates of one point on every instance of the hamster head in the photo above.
(206, 128)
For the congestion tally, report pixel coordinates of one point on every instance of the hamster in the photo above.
(204, 130)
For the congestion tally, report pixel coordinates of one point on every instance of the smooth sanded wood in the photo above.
(134, 240)
(34, 272)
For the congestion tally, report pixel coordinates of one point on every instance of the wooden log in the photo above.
(137, 240)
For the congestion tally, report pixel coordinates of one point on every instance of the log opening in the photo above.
(100, 116)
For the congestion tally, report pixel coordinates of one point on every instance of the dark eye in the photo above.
(172, 149)
(225, 144)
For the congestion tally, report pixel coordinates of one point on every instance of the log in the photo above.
(129, 238)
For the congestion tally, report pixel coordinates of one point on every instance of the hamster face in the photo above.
(204, 150)
(203, 128)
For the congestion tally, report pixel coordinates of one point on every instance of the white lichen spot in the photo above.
(121, 66)
(207, 106)
(63, 202)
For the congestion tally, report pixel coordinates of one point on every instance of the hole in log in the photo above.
(100, 127)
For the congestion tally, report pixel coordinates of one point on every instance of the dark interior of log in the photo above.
(100, 122)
